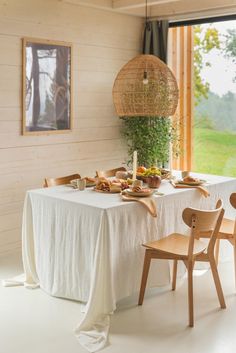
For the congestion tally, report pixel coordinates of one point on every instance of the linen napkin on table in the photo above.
(147, 202)
(201, 189)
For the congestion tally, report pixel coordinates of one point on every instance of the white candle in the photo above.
(134, 165)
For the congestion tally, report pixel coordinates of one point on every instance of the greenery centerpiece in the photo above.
(150, 137)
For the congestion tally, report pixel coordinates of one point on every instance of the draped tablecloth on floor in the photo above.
(86, 246)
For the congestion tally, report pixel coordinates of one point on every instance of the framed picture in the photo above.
(47, 87)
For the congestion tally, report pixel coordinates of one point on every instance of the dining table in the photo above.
(87, 245)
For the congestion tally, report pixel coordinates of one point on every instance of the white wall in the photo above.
(103, 42)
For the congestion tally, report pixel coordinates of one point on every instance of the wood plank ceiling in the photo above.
(169, 9)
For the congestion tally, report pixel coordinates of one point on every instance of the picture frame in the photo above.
(47, 87)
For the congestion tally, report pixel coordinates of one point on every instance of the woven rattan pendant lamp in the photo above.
(145, 86)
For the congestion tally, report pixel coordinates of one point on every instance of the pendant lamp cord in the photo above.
(145, 73)
(146, 16)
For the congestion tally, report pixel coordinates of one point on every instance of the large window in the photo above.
(214, 147)
(203, 57)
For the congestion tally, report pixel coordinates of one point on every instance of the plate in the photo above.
(75, 187)
(89, 185)
(107, 192)
(139, 194)
(71, 186)
(191, 183)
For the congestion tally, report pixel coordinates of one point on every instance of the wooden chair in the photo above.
(60, 181)
(109, 173)
(188, 249)
(227, 232)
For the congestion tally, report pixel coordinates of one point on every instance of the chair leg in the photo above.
(217, 249)
(190, 294)
(175, 265)
(216, 278)
(146, 267)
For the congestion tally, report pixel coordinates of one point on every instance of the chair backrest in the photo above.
(60, 181)
(232, 199)
(203, 221)
(109, 173)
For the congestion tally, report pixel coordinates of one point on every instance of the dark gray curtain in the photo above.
(155, 39)
(155, 42)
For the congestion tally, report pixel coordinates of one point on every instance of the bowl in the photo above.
(154, 181)
(121, 174)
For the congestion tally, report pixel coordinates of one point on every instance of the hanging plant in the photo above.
(150, 137)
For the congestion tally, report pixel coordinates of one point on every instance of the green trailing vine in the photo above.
(150, 137)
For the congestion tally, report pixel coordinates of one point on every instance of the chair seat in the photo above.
(176, 244)
(227, 226)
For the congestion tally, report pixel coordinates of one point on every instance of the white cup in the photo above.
(138, 183)
(184, 174)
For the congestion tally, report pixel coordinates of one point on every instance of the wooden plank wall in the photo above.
(103, 42)
(181, 63)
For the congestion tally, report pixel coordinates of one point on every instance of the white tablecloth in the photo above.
(86, 246)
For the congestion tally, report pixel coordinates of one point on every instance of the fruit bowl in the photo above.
(143, 173)
(148, 172)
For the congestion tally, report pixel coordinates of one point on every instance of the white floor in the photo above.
(33, 322)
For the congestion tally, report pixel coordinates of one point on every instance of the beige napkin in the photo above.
(201, 189)
(147, 202)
